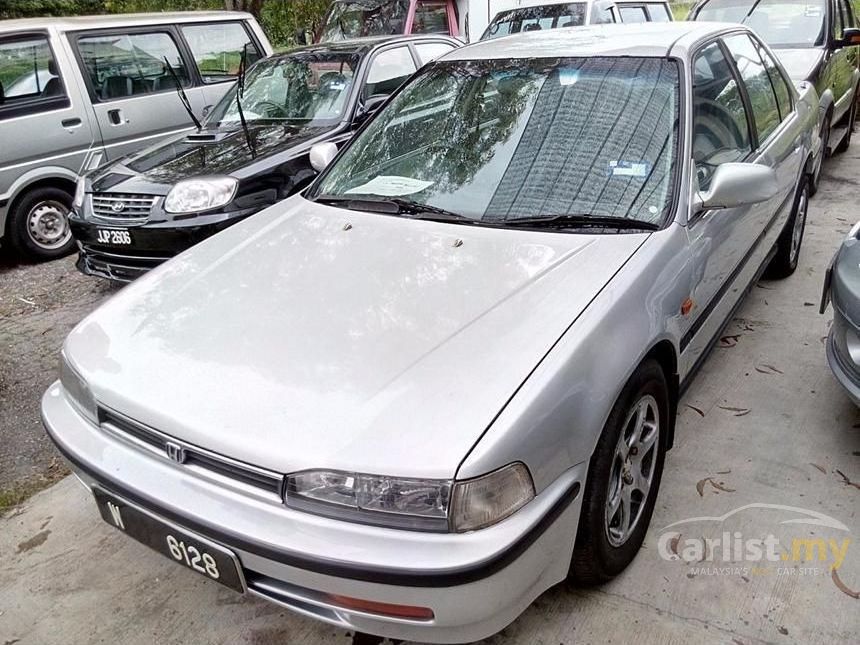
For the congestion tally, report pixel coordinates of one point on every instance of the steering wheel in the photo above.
(272, 109)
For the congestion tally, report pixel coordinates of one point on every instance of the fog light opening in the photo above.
(382, 608)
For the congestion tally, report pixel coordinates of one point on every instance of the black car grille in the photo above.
(122, 206)
(191, 456)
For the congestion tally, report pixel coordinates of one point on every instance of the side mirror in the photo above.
(738, 184)
(369, 107)
(850, 38)
(321, 155)
(301, 36)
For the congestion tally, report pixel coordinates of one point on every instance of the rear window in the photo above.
(536, 19)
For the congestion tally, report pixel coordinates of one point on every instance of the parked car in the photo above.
(553, 15)
(444, 378)
(134, 214)
(78, 92)
(818, 41)
(842, 288)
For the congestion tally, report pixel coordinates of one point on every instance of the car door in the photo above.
(217, 48)
(838, 72)
(723, 131)
(132, 78)
(852, 54)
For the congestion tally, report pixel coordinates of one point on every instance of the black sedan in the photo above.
(251, 151)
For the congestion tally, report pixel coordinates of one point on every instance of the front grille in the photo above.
(191, 456)
(122, 206)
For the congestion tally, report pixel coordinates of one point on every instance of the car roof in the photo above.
(641, 39)
(74, 23)
(365, 44)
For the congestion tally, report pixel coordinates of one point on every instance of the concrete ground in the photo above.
(764, 423)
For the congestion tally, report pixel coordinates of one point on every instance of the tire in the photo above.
(603, 547)
(851, 119)
(38, 226)
(788, 245)
(815, 177)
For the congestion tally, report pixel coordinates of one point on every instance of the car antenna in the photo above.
(240, 91)
(183, 97)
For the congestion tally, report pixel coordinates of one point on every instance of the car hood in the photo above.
(212, 151)
(801, 64)
(315, 337)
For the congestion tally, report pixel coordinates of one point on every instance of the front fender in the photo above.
(554, 420)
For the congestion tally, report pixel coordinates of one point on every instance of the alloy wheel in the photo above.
(632, 472)
(48, 225)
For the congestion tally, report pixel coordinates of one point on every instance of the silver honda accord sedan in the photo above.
(444, 378)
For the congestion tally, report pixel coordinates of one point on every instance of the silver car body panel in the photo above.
(38, 147)
(424, 349)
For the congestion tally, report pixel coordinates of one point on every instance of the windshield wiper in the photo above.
(581, 221)
(240, 94)
(183, 97)
(395, 206)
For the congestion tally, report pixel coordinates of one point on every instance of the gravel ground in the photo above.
(39, 305)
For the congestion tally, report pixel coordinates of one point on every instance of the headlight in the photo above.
(418, 504)
(80, 189)
(77, 389)
(201, 194)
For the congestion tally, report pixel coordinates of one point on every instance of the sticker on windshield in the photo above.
(391, 186)
(628, 169)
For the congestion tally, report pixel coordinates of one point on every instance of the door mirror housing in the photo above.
(850, 38)
(321, 155)
(301, 36)
(369, 107)
(738, 184)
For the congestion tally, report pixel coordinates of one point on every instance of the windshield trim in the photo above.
(674, 197)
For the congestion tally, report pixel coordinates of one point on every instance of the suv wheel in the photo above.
(38, 226)
(851, 119)
(623, 479)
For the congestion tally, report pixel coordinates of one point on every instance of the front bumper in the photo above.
(839, 363)
(475, 583)
(152, 243)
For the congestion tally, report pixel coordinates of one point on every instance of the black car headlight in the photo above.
(200, 194)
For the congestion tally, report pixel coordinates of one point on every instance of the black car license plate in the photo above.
(205, 557)
(117, 237)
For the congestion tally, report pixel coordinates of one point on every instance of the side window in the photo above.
(850, 20)
(217, 49)
(838, 20)
(720, 122)
(388, 71)
(632, 14)
(659, 12)
(430, 18)
(757, 83)
(29, 79)
(123, 65)
(431, 51)
(780, 85)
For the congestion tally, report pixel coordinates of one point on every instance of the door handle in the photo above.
(71, 123)
(115, 117)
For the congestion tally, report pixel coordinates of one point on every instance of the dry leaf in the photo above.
(673, 544)
(821, 468)
(764, 368)
(763, 286)
(724, 472)
(695, 409)
(700, 486)
(739, 412)
(730, 340)
(847, 481)
(842, 587)
(721, 487)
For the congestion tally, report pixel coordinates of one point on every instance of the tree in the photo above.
(254, 7)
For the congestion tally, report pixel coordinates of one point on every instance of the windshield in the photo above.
(304, 87)
(781, 23)
(536, 18)
(499, 140)
(357, 18)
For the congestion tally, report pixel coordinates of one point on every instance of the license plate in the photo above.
(113, 236)
(192, 551)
